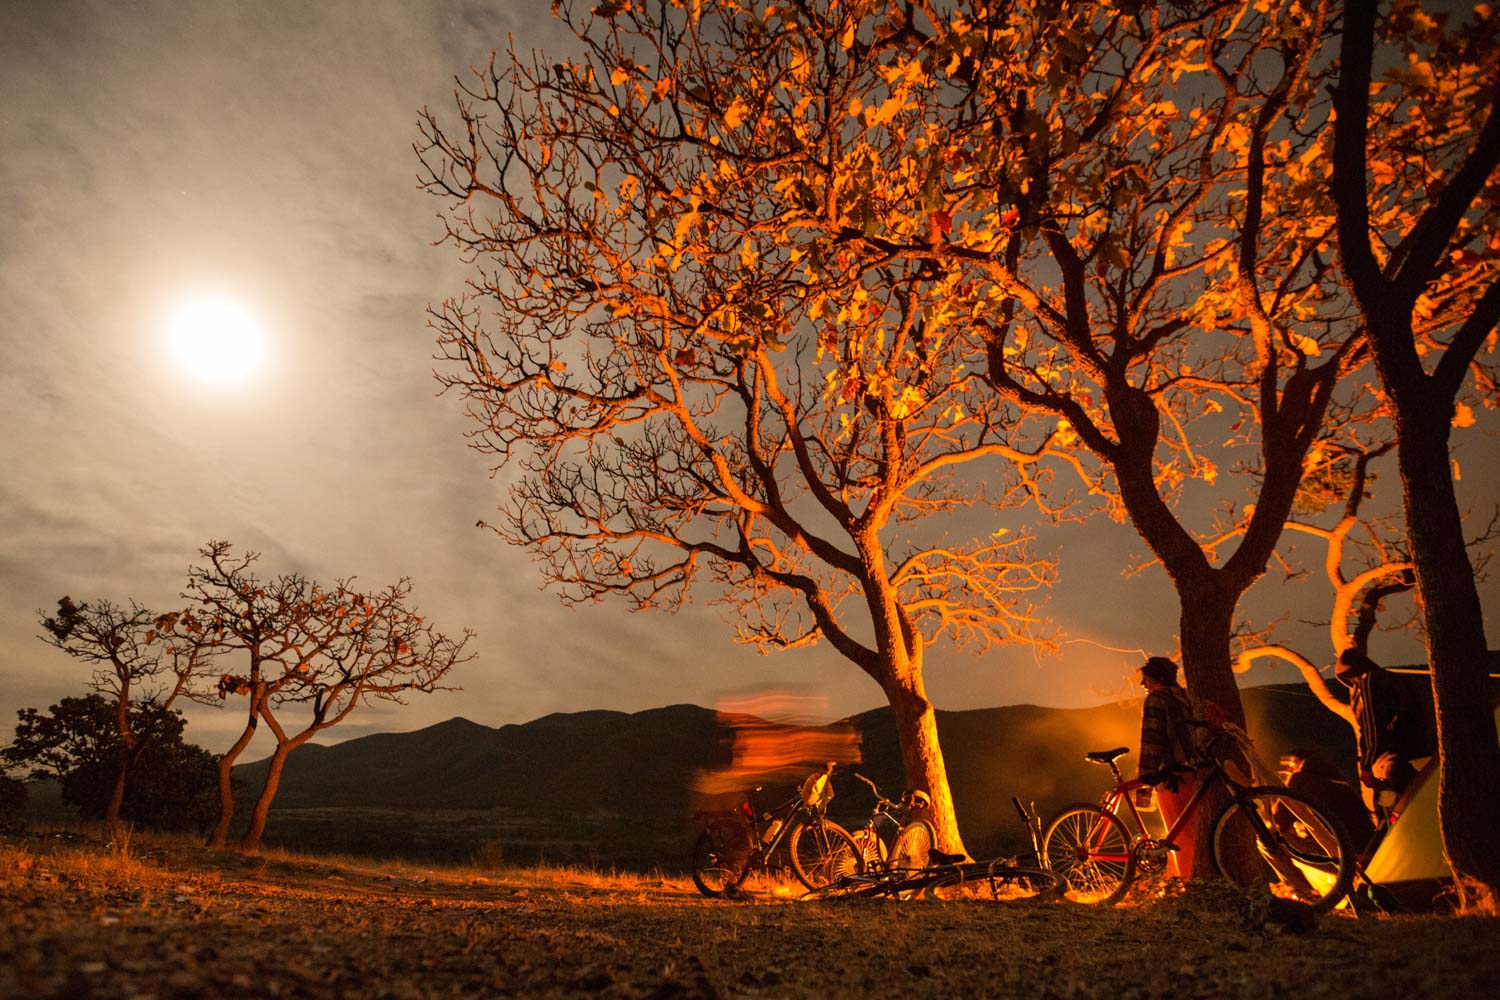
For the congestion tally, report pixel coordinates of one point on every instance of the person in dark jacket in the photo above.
(1389, 729)
(1166, 752)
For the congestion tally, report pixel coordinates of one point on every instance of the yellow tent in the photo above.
(1408, 870)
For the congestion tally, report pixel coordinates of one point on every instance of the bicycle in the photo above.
(1302, 853)
(1003, 879)
(943, 876)
(893, 836)
(736, 842)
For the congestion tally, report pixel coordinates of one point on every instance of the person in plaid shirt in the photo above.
(1166, 752)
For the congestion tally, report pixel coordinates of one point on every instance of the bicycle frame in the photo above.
(1123, 792)
(751, 819)
(886, 818)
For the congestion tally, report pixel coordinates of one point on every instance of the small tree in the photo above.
(1417, 189)
(78, 741)
(329, 649)
(267, 620)
(121, 642)
(372, 647)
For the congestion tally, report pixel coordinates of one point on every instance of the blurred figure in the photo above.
(775, 738)
(1309, 774)
(1390, 732)
(1167, 753)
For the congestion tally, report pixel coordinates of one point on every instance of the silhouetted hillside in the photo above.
(614, 788)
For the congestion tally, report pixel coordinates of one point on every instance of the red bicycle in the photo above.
(1300, 853)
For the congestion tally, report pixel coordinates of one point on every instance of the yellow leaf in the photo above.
(619, 76)
(738, 109)
(1463, 416)
(1306, 345)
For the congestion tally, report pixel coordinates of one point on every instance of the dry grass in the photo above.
(165, 918)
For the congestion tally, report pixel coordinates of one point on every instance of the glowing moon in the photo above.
(217, 340)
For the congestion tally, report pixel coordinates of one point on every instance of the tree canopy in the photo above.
(77, 741)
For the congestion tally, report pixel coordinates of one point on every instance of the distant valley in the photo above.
(614, 789)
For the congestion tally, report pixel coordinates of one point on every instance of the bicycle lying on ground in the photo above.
(1097, 850)
(901, 875)
(1002, 879)
(734, 843)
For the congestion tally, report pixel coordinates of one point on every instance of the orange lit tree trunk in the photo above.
(257, 826)
(1433, 296)
(220, 834)
(359, 646)
(900, 647)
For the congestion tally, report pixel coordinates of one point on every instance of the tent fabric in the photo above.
(1412, 849)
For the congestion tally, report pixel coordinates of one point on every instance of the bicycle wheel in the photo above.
(1009, 881)
(822, 852)
(719, 857)
(913, 845)
(871, 848)
(1303, 854)
(849, 887)
(1088, 848)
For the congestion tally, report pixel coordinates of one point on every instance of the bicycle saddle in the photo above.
(1106, 756)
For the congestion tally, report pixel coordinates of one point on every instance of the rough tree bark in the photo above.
(1423, 405)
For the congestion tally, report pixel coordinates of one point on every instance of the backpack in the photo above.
(1188, 742)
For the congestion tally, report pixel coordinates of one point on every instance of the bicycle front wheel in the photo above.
(1088, 848)
(822, 853)
(1301, 853)
(913, 845)
(719, 859)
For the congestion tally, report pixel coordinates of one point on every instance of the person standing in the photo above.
(1166, 754)
(1389, 729)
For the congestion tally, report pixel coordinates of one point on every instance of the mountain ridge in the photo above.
(614, 786)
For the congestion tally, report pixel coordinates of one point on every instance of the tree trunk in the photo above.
(116, 796)
(251, 840)
(1468, 807)
(220, 833)
(1206, 625)
(922, 757)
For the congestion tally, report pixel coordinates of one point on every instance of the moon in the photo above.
(216, 340)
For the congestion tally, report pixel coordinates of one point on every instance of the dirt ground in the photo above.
(81, 921)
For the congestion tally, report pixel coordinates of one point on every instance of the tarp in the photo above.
(1409, 861)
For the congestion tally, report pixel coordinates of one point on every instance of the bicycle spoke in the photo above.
(1089, 850)
(1297, 853)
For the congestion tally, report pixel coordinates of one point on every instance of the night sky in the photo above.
(152, 153)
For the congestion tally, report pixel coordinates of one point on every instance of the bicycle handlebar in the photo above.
(880, 800)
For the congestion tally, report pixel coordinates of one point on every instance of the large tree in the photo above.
(699, 378)
(121, 642)
(1417, 188)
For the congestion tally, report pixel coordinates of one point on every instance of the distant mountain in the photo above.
(615, 788)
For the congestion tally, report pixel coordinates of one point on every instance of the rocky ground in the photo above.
(175, 921)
